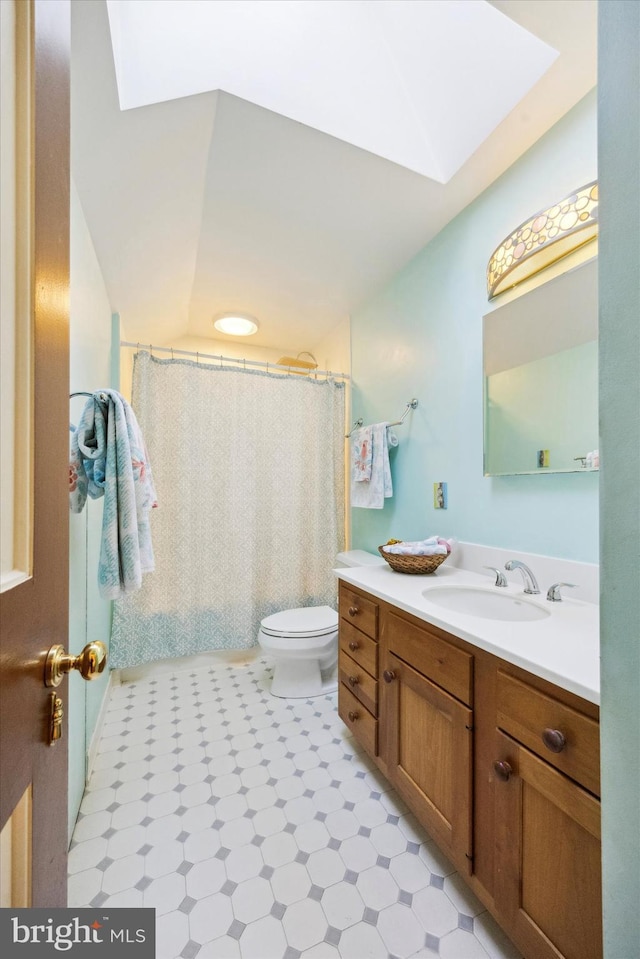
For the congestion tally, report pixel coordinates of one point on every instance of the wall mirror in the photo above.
(540, 357)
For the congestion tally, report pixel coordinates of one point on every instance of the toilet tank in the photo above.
(358, 557)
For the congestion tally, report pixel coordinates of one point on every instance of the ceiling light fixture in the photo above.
(543, 239)
(236, 324)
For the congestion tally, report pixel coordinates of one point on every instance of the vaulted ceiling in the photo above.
(211, 202)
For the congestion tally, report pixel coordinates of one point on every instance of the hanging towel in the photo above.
(109, 458)
(371, 493)
(361, 454)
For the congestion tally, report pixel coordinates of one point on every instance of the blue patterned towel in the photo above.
(109, 458)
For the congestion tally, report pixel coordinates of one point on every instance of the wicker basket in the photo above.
(412, 564)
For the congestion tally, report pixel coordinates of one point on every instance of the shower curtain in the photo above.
(249, 473)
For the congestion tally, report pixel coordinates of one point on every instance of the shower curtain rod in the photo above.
(229, 359)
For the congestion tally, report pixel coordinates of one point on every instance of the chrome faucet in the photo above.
(501, 579)
(553, 593)
(530, 583)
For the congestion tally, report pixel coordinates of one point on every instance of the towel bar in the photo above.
(411, 405)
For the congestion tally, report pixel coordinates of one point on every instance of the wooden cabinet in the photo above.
(500, 767)
(547, 822)
(429, 733)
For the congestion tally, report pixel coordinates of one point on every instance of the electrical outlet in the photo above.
(439, 495)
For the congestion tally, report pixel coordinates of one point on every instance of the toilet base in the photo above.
(302, 679)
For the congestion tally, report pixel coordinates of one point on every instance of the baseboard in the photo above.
(92, 751)
(161, 667)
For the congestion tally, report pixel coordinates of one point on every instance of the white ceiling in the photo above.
(389, 76)
(210, 202)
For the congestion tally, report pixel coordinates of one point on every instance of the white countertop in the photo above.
(563, 648)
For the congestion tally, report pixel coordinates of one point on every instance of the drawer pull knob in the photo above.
(353, 680)
(353, 646)
(554, 740)
(502, 769)
(353, 611)
(388, 675)
(353, 716)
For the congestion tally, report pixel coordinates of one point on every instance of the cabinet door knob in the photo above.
(353, 611)
(353, 646)
(353, 680)
(388, 675)
(502, 769)
(554, 740)
(353, 716)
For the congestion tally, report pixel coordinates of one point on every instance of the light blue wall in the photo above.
(422, 336)
(89, 615)
(619, 161)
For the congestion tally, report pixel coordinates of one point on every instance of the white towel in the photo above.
(361, 454)
(371, 493)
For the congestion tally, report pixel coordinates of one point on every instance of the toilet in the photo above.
(303, 643)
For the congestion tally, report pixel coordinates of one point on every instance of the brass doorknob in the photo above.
(90, 663)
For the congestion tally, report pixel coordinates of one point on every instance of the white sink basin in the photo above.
(485, 603)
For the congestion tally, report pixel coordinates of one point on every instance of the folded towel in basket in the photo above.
(422, 547)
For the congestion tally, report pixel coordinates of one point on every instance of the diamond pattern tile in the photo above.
(258, 828)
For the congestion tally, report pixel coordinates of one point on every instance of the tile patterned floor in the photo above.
(257, 828)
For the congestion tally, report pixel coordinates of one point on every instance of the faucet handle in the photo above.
(501, 579)
(553, 593)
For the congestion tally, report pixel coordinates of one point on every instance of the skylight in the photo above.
(419, 82)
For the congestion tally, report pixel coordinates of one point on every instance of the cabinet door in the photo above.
(547, 857)
(430, 757)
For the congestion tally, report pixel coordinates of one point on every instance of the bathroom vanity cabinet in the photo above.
(500, 767)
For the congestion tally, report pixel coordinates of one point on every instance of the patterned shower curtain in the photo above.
(249, 474)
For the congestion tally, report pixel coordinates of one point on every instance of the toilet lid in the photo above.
(306, 621)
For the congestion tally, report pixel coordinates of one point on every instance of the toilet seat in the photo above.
(302, 623)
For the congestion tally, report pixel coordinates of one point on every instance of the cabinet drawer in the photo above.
(358, 719)
(363, 686)
(536, 719)
(359, 647)
(358, 611)
(445, 664)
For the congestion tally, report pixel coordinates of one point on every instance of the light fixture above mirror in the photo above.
(543, 239)
(236, 324)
